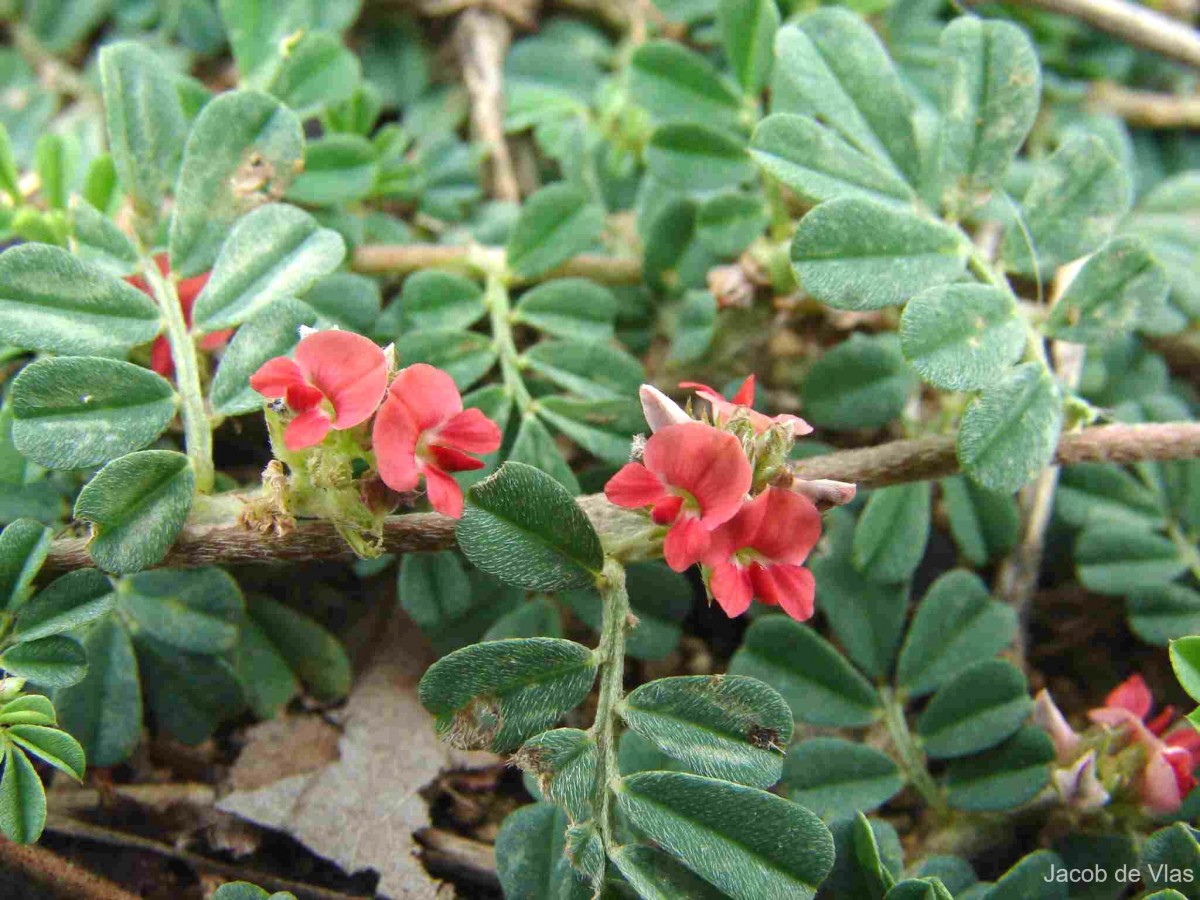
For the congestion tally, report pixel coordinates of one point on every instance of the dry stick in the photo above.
(1145, 108)
(482, 38)
(400, 259)
(450, 855)
(1133, 24)
(922, 459)
(64, 878)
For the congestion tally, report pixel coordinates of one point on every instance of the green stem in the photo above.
(615, 602)
(197, 430)
(911, 758)
(496, 298)
(1187, 548)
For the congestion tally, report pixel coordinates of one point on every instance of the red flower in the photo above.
(1172, 758)
(760, 551)
(694, 477)
(740, 404)
(335, 381)
(188, 290)
(422, 429)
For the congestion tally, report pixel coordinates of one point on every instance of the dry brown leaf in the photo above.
(360, 810)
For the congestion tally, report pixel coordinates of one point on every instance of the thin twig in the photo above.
(400, 259)
(228, 542)
(39, 866)
(1133, 24)
(482, 38)
(1146, 109)
(451, 855)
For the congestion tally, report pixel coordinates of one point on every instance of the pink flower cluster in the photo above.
(1154, 757)
(337, 380)
(696, 478)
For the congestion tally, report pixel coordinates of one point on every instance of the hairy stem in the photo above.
(500, 310)
(197, 430)
(615, 603)
(911, 758)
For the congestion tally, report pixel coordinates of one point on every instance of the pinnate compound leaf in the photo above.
(569, 308)
(556, 223)
(962, 337)
(273, 253)
(818, 683)
(71, 412)
(1094, 493)
(24, 545)
(1111, 559)
(523, 527)
(748, 30)
(985, 524)
(956, 624)
(980, 707)
(858, 254)
(22, 798)
(498, 694)
(1010, 432)
(1003, 777)
(890, 538)
(55, 661)
(744, 841)
(71, 600)
(146, 125)
(818, 164)
(52, 301)
(196, 610)
(730, 727)
(991, 90)
(1159, 615)
(136, 506)
(836, 778)
(272, 332)
(244, 149)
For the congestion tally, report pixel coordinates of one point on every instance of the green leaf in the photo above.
(863, 382)
(1185, 660)
(530, 859)
(1095, 493)
(962, 337)
(833, 68)
(338, 168)
(673, 83)
(55, 661)
(98, 241)
(73, 412)
(656, 876)
(265, 676)
(534, 446)
(9, 177)
(729, 222)
(22, 799)
(522, 526)
(1159, 615)
(273, 253)
(1077, 196)
(695, 157)
(54, 156)
(52, 745)
(313, 653)
(244, 149)
(274, 331)
(136, 506)
(991, 87)
(465, 355)
(836, 778)
(956, 624)
(71, 600)
(196, 610)
(439, 300)
(869, 858)
(744, 841)
(345, 300)
(564, 762)
(1110, 559)
(858, 254)
(439, 595)
(593, 371)
(146, 125)
(29, 709)
(889, 541)
(497, 694)
(24, 545)
(604, 428)
(985, 524)
(1004, 777)
(748, 30)
(1120, 288)
(660, 599)
(1171, 858)
(953, 871)
(817, 682)
(919, 889)
(190, 695)
(695, 328)
(984, 704)
(104, 710)
(51, 301)
(1009, 433)
(555, 224)
(569, 308)
(818, 164)
(244, 890)
(313, 73)
(1032, 876)
(733, 727)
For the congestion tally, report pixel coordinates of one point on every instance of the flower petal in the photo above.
(1160, 788)
(429, 393)
(634, 486)
(707, 463)
(685, 543)
(731, 588)
(275, 376)
(347, 368)
(745, 394)
(1131, 694)
(666, 510)
(470, 431)
(307, 430)
(790, 587)
(394, 437)
(444, 493)
(451, 460)
(1048, 717)
(789, 528)
(302, 397)
(160, 357)
(659, 409)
